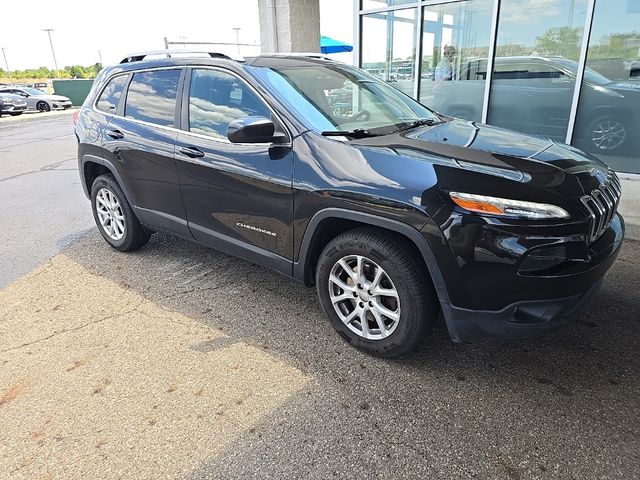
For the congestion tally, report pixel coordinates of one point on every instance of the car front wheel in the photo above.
(43, 106)
(606, 134)
(377, 296)
(114, 217)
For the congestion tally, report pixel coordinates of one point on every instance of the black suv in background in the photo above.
(395, 213)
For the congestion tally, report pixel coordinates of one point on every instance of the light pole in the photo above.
(53, 52)
(237, 29)
(4, 54)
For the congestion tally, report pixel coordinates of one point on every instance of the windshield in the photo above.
(32, 91)
(330, 98)
(590, 75)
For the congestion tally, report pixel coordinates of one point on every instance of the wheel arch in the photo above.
(92, 167)
(328, 223)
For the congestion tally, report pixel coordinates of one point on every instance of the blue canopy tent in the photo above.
(329, 45)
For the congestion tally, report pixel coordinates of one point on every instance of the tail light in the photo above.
(75, 117)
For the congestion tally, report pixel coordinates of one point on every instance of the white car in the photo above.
(39, 101)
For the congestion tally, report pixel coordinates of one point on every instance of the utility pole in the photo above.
(4, 54)
(100, 56)
(237, 29)
(53, 52)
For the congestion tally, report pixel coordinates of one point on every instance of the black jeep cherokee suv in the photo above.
(394, 212)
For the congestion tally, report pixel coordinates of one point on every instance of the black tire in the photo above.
(134, 235)
(418, 303)
(43, 106)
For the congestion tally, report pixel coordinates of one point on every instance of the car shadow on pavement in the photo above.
(562, 405)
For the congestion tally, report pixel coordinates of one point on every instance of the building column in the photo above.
(289, 25)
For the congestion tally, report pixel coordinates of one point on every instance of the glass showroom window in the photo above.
(536, 61)
(455, 46)
(608, 119)
(389, 47)
(373, 4)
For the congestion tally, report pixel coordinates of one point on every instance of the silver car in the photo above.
(39, 101)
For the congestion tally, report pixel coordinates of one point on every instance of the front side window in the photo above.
(152, 97)
(217, 98)
(110, 96)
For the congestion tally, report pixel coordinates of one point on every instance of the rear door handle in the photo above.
(193, 152)
(115, 134)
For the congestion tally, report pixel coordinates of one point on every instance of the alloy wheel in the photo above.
(110, 214)
(608, 135)
(364, 297)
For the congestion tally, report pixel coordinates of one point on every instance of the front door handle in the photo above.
(193, 152)
(115, 134)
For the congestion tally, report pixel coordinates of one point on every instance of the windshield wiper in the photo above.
(356, 133)
(419, 123)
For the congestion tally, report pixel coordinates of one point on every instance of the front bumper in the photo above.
(59, 105)
(497, 299)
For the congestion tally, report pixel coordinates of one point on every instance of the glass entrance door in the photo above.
(455, 46)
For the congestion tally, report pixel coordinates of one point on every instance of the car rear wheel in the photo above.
(373, 290)
(114, 217)
(42, 106)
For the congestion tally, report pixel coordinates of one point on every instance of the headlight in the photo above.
(507, 208)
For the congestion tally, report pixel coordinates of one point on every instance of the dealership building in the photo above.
(564, 69)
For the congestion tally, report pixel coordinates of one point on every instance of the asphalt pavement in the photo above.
(178, 361)
(42, 207)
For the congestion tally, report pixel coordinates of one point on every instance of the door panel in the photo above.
(141, 140)
(238, 191)
(240, 194)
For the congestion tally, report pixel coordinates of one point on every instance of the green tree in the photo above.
(563, 41)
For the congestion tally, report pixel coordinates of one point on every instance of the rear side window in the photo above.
(108, 101)
(152, 97)
(216, 98)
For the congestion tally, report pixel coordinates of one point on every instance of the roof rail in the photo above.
(138, 57)
(321, 56)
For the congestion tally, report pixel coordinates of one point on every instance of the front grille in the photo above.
(602, 205)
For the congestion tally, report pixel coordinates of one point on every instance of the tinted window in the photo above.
(108, 101)
(217, 98)
(152, 97)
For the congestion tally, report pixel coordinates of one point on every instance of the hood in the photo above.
(492, 150)
(56, 97)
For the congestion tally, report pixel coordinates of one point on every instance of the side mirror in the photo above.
(25, 95)
(252, 130)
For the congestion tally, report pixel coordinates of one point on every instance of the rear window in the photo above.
(110, 96)
(152, 97)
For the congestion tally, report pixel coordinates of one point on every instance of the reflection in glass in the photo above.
(337, 97)
(537, 48)
(110, 96)
(389, 47)
(455, 40)
(608, 117)
(152, 96)
(216, 99)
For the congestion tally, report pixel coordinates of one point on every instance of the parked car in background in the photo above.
(39, 101)
(43, 87)
(13, 105)
(533, 94)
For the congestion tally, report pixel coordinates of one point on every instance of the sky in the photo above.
(86, 31)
